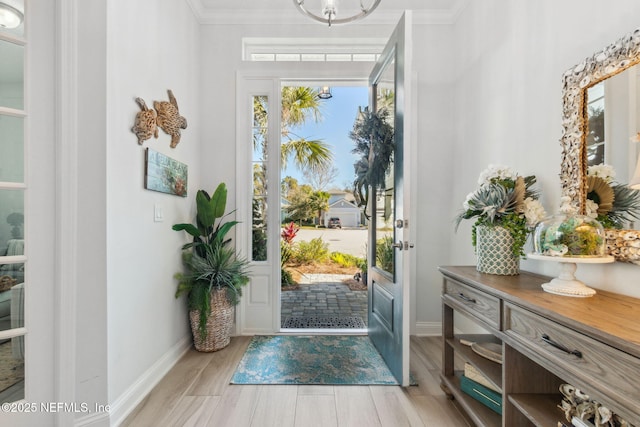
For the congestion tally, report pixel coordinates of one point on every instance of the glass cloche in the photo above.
(575, 236)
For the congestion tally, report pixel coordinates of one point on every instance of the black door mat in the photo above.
(322, 322)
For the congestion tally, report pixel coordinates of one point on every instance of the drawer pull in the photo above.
(551, 342)
(466, 298)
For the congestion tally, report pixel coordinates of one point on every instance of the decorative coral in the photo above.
(169, 118)
(145, 125)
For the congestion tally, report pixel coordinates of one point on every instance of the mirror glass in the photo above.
(385, 197)
(613, 115)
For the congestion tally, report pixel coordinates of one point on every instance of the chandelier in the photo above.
(326, 11)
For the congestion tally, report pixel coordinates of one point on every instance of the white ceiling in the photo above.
(283, 5)
(284, 11)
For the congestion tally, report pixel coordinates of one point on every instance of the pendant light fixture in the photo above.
(325, 93)
(10, 17)
(326, 11)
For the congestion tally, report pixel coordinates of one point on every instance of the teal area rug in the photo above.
(319, 359)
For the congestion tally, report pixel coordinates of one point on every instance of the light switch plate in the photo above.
(158, 215)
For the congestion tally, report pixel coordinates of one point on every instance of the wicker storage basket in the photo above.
(219, 323)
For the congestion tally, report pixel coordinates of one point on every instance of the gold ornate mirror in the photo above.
(577, 82)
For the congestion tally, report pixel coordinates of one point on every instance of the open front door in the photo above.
(390, 229)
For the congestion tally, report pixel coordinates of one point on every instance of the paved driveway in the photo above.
(345, 240)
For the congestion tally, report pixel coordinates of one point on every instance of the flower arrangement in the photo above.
(611, 203)
(505, 199)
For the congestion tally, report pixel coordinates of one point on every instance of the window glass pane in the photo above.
(259, 178)
(11, 244)
(287, 57)
(11, 304)
(364, 57)
(263, 57)
(12, 369)
(11, 149)
(338, 57)
(260, 111)
(259, 145)
(11, 222)
(259, 232)
(312, 56)
(11, 75)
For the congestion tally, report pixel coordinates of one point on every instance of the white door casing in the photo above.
(258, 311)
(259, 308)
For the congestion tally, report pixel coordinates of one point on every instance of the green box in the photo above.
(482, 394)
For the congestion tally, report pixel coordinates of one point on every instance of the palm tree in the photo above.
(299, 104)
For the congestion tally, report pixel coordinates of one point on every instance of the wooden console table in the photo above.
(591, 343)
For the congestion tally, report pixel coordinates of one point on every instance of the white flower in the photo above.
(533, 211)
(465, 204)
(606, 172)
(591, 209)
(496, 171)
(566, 207)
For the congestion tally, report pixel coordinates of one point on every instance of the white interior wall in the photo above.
(510, 59)
(433, 57)
(152, 47)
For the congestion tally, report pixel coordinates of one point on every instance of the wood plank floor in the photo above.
(196, 392)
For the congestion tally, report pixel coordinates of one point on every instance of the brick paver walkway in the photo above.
(324, 295)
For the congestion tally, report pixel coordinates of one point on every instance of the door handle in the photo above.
(402, 245)
(551, 342)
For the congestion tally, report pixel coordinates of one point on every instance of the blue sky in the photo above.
(338, 113)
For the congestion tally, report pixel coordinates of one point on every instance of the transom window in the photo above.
(311, 50)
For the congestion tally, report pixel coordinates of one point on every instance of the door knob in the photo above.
(398, 245)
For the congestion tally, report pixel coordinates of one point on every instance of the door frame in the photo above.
(259, 311)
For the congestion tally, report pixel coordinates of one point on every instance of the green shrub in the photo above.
(384, 253)
(286, 252)
(308, 252)
(285, 278)
(346, 260)
(362, 264)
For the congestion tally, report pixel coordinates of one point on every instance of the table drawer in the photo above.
(473, 301)
(599, 369)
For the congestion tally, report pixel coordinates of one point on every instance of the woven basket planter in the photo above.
(494, 248)
(219, 324)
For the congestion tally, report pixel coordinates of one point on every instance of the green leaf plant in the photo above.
(210, 262)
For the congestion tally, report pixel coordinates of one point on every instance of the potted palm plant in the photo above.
(214, 273)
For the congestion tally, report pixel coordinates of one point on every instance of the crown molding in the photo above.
(207, 16)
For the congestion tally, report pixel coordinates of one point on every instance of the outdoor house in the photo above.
(342, 206)
(88, 258)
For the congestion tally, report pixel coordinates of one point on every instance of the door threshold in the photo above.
(291, 331)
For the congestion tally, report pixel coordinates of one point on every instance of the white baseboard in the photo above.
(128, 400)
(428, 329)
(99, 419)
